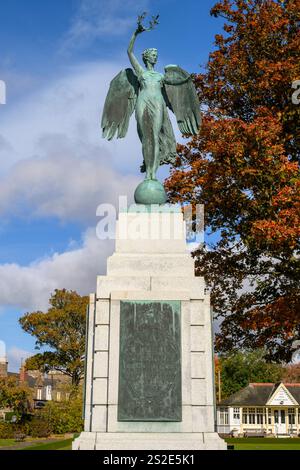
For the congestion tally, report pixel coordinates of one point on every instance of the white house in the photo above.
(261, 409)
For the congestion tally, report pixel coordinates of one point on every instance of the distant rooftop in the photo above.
(258, 394)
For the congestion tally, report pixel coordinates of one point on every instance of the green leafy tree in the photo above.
(62, 330)
(238, 369)
(14, 396)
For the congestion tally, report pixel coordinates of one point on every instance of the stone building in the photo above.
(45, 387)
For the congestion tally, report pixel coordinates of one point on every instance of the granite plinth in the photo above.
(151, 264)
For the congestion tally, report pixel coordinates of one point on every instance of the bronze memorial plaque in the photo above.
(150, 361)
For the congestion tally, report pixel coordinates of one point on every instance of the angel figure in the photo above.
(150, 93)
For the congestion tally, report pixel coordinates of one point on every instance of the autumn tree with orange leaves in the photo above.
(244, 167)
(292, 373)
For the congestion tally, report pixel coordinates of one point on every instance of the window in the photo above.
(223, 416)
(245, 416)
(251, 415)
(276, 417)
(259, 415)
(48, 392)
(236, 413)
(39, 393)
(291, 415)
(269, 416)
(58, 396)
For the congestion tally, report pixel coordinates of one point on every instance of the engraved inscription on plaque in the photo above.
(150, 361)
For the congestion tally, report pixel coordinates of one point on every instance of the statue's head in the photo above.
(150, 55)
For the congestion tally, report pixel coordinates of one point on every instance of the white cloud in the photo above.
(29, 287)
(97, 18)
(2, 349)
(15, 356)
(69, 106)
(64, 184)
(4, 145)
(54, 161)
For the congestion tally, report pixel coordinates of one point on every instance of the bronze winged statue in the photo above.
(150, 93)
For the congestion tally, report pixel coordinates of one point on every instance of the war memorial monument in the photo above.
(149, 355)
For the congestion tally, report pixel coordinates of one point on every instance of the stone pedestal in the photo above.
(149, 370)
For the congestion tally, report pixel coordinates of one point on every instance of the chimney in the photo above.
(23, 373)
(3, 367)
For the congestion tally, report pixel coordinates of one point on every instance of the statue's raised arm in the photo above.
(123, 91)
(137, 67)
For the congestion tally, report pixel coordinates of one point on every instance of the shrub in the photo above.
(22, 428)
(39, 427)
(65, 417)
(9, 416)
(10, 430)
(7, 431)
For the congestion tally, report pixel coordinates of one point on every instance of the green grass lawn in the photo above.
(34, 444)
(7, 442)
(65, 444)
(251, 443)
(256, 443)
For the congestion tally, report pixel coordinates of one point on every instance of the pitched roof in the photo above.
(40, 381)
(257, 394)
(294, 390)
(13, 374)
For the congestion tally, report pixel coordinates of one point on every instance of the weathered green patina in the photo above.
(150, 361)
(150, 190)
(150, 93)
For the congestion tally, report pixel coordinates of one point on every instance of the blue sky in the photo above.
(57, 58)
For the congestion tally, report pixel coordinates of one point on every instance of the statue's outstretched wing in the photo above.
(119, 104)
(182, 99)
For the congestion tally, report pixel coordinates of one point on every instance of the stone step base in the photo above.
(149, 441)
